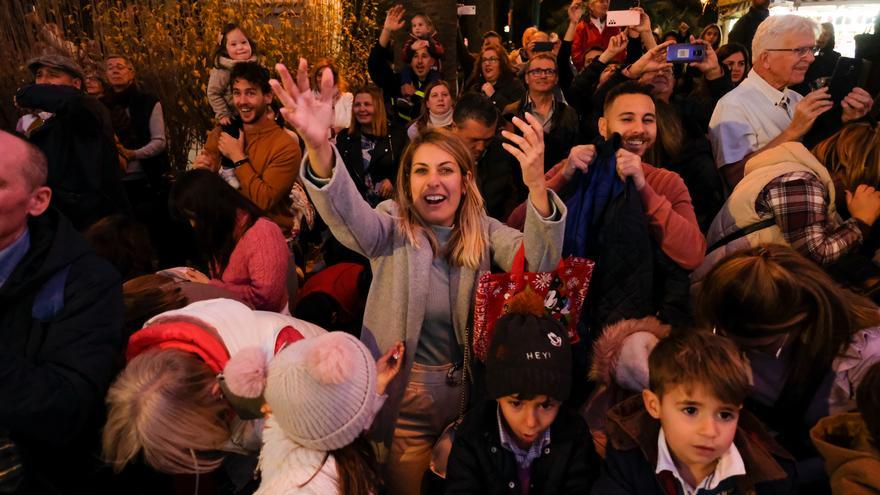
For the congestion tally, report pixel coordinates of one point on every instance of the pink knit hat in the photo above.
(322, 389)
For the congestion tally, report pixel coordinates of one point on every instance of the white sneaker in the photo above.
(228, 175)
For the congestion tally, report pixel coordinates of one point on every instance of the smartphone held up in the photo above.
(623, 18)
(849, 73)
(685, 53)
(621, 15)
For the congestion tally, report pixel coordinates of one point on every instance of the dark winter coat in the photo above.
(379, 67)
(508, 89)
(868, 47)
(693, 162)
(78, 142)
(130, 111)
(633, 277)
(478, 464)
(60, 334)
(562, 134)
(499, 180)
(631, 458)
(383, 162)
(744, 30)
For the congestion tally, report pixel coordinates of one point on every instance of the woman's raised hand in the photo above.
(311, 115)
(528, 149)
(653, 59)
(616, 45)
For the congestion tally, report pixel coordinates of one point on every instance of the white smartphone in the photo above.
(622, 18)
(467, 9)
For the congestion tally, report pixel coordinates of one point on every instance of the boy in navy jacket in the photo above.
(687, 434)
(525, 442)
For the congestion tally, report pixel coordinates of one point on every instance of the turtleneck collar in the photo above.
(263, 125)
(441, 120)
(442, 233)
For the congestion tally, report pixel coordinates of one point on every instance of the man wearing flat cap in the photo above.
(73, 130)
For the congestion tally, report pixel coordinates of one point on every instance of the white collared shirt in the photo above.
(599, 23)
(749, 117)
(730, 464)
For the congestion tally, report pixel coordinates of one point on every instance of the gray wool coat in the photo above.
(396, 302)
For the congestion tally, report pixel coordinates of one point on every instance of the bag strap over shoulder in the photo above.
(763, 224)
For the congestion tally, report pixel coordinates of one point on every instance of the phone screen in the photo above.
(685, 52)
(543, 46)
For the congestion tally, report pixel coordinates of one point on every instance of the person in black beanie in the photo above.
(525, 440)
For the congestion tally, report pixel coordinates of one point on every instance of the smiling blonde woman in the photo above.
(426, 248)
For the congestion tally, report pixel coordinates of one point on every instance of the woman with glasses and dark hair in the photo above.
(493, 76)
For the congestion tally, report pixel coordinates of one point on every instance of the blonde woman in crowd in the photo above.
(426, 248)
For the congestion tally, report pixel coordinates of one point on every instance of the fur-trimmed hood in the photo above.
(613, 355)
(607, 349)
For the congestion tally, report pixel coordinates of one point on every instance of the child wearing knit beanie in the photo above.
(321, 395)
(525, 440)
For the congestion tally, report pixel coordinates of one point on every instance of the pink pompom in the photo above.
(245, 372)
(329, 362)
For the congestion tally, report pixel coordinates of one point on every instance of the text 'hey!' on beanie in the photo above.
(529, 355)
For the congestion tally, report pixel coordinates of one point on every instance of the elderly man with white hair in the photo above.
(762, 112)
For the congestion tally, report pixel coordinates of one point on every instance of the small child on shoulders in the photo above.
(850, 442)
(525, 441)
(422, 35)
(687, 434)
(233, 47)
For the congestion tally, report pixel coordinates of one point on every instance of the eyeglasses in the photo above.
(542, 72)
(491, 60)
(801, 52)
(764, 350)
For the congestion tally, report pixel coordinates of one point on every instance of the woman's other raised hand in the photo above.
(310, 114)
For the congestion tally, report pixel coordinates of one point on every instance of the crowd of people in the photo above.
(295, 312)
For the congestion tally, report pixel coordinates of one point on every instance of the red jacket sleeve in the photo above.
(579, 44)
(437, 47)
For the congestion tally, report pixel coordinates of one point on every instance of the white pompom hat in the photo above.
(322, 390)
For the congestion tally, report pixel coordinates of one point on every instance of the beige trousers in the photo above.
(429, 405)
